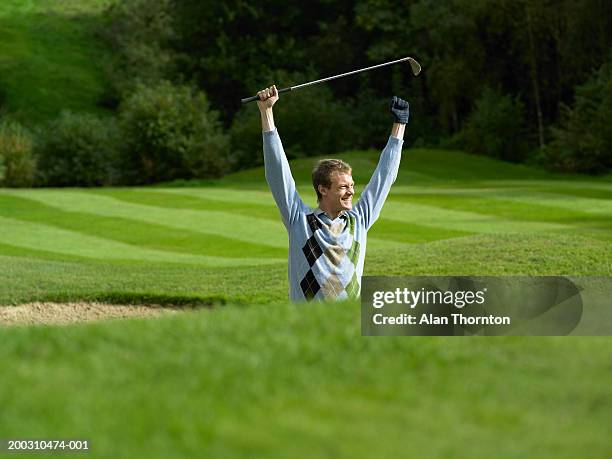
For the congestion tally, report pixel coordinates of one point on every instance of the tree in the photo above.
(170, 132)
(583, 140)
(496, 127)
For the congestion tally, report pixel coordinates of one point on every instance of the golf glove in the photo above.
(400, 110)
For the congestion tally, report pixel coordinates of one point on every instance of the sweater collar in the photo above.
(318, 212)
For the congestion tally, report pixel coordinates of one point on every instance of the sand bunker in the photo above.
(66, 313)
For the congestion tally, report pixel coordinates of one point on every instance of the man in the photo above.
(327, 245)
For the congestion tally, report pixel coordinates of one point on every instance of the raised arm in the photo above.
(376, 192)
(278, 174)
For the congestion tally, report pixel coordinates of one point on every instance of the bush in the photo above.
(78, 150)
(171, 133)
(583, 141)
(496, 127)
(17, 164)
(310, 123)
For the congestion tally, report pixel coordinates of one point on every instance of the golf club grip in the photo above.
(252, 98)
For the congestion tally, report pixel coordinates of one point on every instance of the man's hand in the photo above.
(400, 110)
(267, 98)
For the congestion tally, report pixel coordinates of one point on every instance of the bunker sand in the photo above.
(44, 313)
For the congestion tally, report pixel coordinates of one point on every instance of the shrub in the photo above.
(496, 127)
(583, 140)
(17, 164)
(78, 150)
(171, 133)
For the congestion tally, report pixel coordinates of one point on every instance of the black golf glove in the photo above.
(400, 109)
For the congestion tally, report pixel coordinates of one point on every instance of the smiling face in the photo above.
(339, 195)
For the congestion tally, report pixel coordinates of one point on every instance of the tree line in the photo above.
(520, 80)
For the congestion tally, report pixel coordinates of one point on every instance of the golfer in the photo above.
(327, 245)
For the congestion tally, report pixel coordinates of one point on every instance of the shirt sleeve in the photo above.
(376, 192)
(279, 178)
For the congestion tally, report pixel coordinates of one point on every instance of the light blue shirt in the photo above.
(326, 256)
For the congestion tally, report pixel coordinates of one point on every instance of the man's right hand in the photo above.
(267, 97)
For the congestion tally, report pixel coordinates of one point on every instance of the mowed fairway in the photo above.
(253, 376)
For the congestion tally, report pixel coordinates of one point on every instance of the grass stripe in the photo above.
(446, 189)
(261, 197)
(24, 252)
(428, 215)
(221, 200)
(592, 193)
(540, 208)
(551, 195)
(584, 207)
(392, 230)
(570, 185)
(48, 238)
(248, 229)
(592, 217)
(251, 208)
(134, 232)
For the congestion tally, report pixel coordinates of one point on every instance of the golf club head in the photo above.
(415, 66)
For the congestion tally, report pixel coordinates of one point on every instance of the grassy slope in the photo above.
(464, 219)
(48, 58)
(260, 378)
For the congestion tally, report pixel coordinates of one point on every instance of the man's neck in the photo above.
(332, 215)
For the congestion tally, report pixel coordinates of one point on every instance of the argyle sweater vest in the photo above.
(326, 256)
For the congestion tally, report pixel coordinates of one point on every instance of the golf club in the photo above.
(414, 65)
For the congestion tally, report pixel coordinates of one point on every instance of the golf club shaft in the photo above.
(322, 80)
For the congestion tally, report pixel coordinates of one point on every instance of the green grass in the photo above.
(249, 375)
(284, 381)
(253, 376)
(49, 58)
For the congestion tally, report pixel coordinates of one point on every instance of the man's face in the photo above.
(339, 196)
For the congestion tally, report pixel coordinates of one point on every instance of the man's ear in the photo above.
(322, 190)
